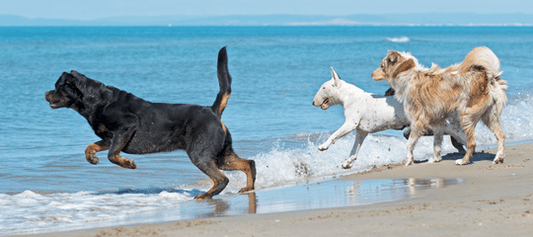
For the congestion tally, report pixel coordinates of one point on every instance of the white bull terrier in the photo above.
(366, 113)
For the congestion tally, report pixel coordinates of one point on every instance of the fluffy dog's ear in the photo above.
(335, 76)
(393, 57)
(404, 66)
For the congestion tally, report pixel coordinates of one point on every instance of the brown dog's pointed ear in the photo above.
(404, 66)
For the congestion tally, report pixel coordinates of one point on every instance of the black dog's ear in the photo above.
(404, 66)
(64, 79)
(79, 80)
(77, 74)
(69, 83)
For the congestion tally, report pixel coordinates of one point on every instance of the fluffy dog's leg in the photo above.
(493, 123)
(416, 132)
(437, 143)
(469, 128)
(359, 138)
(346, 128)
(91, 150)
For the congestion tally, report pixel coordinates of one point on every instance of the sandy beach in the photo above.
(496, 200)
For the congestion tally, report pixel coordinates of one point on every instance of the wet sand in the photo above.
(479, 199)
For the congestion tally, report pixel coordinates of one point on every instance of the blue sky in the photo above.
(95, 9)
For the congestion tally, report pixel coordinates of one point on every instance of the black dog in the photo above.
(132, 125)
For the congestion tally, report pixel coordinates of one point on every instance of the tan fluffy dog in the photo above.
(471, 90)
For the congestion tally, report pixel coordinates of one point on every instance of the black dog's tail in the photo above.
(224, 81)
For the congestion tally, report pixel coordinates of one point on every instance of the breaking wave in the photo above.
(399, 40)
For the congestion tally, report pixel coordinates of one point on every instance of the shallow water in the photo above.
(312, 196)
(47, 183)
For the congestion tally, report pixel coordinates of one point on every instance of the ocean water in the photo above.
(46, 183)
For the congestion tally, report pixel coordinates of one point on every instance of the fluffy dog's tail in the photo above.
(483, 59)
(224, 81)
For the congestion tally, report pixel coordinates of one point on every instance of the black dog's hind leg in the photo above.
(207, 165)
(232, 162)
(120, 140)
(457, 145)
(91, 150)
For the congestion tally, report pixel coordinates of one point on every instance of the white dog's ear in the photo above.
(335, 76)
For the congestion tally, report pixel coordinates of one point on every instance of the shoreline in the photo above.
(494, 200)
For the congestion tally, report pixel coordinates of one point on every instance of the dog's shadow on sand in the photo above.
(478, 156)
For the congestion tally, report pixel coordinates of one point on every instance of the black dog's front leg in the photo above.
(120, 139)
(90, 151)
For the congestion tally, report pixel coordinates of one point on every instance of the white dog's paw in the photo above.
(409, 162)
(435, 159)
(323, 147)
(347, 165)
(460, 162)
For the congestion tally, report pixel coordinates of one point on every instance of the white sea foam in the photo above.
(403, 39)
(288, 166)
(29, 211)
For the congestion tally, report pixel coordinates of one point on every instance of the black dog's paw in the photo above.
(93, 159)
(203, 196)
(129, 164)
(246, 189)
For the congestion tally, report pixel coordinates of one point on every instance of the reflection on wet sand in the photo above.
(422, 184)
(386, 190)
(336, 193)
(252, 203)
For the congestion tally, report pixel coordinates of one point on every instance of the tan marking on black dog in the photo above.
(91, 150)
(224, 103)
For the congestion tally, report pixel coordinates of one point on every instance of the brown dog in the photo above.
(469, 91)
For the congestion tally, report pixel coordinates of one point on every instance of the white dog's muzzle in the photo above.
(325, 104)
